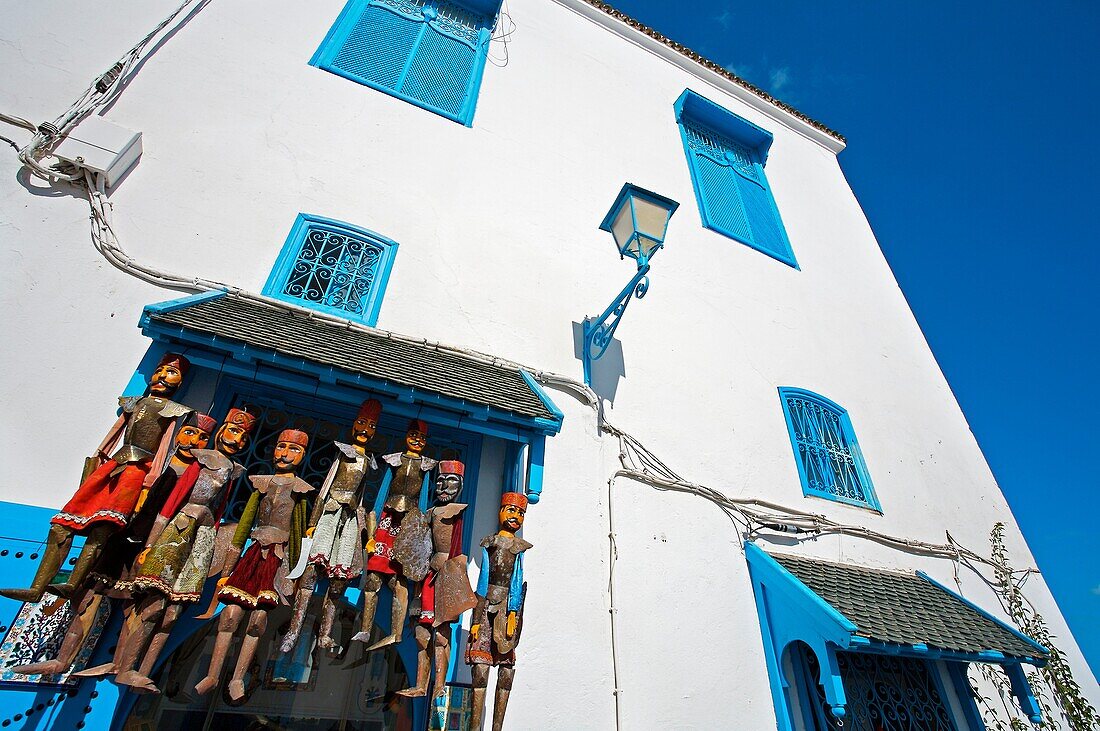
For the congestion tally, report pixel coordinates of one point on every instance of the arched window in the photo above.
(333, 267)
(830, 463)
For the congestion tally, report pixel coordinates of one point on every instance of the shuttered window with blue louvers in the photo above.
(732, 190)
(427, 52)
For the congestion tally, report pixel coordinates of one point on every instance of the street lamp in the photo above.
(638, 221)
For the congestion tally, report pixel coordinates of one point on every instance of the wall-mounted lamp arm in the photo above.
(599, 331)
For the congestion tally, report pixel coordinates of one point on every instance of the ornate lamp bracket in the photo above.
(599, 331)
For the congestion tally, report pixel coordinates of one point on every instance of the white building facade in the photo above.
(458, 160)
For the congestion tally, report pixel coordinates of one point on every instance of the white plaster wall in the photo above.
(499, 251)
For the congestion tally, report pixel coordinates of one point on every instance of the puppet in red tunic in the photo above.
(275, 519)
(445, 592)
(399, 547)
(108, 497)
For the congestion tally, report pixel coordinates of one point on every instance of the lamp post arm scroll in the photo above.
(599, 331)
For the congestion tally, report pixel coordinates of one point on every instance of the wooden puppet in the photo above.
(275, 520)
(179, 551)
(394, 550)
(112, 573)
(336, 528)
(498, 617)
(107, 498)
(445, 592)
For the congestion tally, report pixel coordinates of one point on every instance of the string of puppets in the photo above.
(150, 505)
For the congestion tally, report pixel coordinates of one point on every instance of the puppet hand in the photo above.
(142, 555)
(510, 628)
(473, 631)
(223, 581)
(310, 531)
(370, 547)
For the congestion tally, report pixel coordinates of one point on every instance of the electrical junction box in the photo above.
(102, 147)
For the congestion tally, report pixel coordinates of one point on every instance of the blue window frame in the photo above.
(726, 156)
(830, 463)
(333, 267)
(430, 53)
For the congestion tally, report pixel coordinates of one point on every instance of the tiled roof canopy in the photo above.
(904, 609)
(375, 354)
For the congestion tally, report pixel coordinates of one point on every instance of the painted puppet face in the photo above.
(165, 380)
(188, 438)
(511, 517)
(362, 431)
(231, 439)
(288, 455)
(447, 487)
(415, 441)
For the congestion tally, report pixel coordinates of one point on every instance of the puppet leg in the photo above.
(89, 554)
(372, 584)
(257, 625)
(227, 625)
(328, 612)
(398, 610)
(423, 666)
(150, 612)
(442, 658)
(505, 674)
(480, 675)
(301, 606)
(57, 547)
(74, 639)
(160, 638)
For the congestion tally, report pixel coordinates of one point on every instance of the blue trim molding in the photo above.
(726, 156)
(430, 53)
(826, 451)
(327, 265)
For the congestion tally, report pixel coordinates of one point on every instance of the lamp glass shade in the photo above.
(651, 219)
(622, 227)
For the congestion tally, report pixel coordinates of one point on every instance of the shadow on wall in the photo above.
(606, 371)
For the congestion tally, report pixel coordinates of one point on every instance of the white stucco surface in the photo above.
(499, 252)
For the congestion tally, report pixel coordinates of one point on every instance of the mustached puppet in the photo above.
(498, 617)
(107, 498)
(336, 527)
(399, 548)
(445, 592)
(275, 519)
(178, 552)
(112, 573)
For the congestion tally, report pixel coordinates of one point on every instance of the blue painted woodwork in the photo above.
(430, 53)
(791, 613)
(330, 266)
(726, 156)
(830, 463)
(965, 695)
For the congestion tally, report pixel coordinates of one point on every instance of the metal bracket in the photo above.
(599, 331)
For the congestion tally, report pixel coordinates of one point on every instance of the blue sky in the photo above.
(972, 148)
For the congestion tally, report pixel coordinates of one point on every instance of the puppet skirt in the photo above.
(104, 497)
(483, 651)
(178, 562)
(337, 546)
(252, 583)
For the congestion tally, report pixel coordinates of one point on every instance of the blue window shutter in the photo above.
(725, 155)
(427, 52)
(378, 48)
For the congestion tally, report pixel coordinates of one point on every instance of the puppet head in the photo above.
(513, 506)
(448, 484)
(366, 422)
(290, 450)
(194, 434)
(416, 436)
(232, 437)
(168, 375)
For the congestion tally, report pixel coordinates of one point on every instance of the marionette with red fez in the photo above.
(445, 592)
(107, 498)
(179, 551)
(275, 519)
(498, 617)
(113, 572)
(399, 548)
(336, 528)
